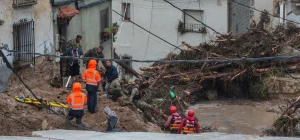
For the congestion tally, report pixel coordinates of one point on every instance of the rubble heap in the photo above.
(18, 119)
(238, 79)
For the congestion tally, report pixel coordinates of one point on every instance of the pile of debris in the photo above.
(237, 79)
(288, 122)
(18, 118)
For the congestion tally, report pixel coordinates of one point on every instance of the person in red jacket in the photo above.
(173, 121)
(189, 125)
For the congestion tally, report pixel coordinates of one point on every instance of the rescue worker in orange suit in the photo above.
(76, 100)
(91, 77)
(189, 125)
(173, 121)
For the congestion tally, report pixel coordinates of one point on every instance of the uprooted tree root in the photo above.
(284, 126)
(288, 124)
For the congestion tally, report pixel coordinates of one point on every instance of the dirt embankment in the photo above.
(13, 113)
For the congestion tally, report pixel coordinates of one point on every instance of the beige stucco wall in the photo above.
(41, 13)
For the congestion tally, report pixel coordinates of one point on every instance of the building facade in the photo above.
(32, 26)
(27, 26)
(93, 17)
(173, 25)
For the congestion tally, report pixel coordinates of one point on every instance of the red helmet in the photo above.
(191, 113)
(172, 109)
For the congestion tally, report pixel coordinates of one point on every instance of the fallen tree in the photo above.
(238, 79)
(288, 123)
(243, 75)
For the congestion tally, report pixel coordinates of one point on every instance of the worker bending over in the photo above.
(95, 53)
(116, 90)
(76, 100)
(135, 91)
(189, 125)
(91, 77)
(173, 121)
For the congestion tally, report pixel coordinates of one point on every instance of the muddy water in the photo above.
(236, 119)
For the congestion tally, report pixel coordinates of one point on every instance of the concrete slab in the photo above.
(24, 138)
(90, 135)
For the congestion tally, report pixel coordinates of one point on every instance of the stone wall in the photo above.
(285, 86)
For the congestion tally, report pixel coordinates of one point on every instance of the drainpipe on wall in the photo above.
(112, 40)
(229, 16)
(284, 12)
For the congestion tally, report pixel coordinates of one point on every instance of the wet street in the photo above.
(249, 118)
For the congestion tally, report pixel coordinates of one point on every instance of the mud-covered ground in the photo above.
(13, 113)
(230, 116)
(238, 116)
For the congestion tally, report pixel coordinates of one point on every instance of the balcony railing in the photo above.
(197, 28)
(18, 3)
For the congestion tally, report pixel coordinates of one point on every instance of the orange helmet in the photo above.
(77, 87)
(92, 64)
(172, 109)
(191, 113)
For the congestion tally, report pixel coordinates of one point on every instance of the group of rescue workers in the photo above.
(115, 89)
(176, 124)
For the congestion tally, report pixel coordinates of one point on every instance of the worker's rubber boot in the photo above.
(79, 124)
(68, 124)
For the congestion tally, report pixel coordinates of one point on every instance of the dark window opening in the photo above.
(104, 23)
(19, 3)
(23, 38)
(129, 63)
(126, 11)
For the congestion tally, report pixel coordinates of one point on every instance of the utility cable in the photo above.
(263, 12)
(259, 59)
(149, 32)
(32, 93)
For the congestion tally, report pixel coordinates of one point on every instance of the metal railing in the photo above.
(18, 3)
(198, 28)
(23, 37)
